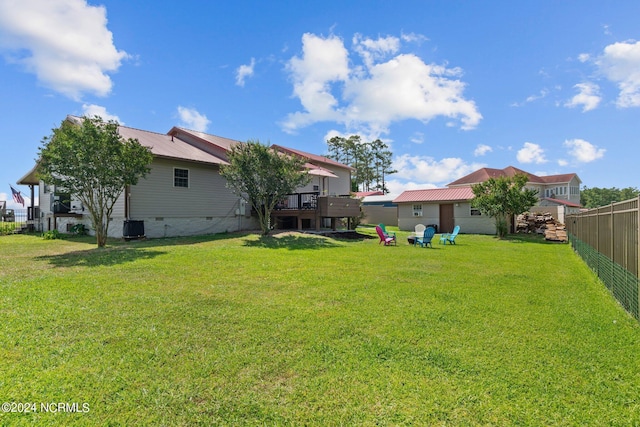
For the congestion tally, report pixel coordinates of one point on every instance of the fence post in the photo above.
(598, 230)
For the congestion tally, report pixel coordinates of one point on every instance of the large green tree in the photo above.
(92, 161)
(502, 197)
(263, 176)
(596, 197)
(371, 161)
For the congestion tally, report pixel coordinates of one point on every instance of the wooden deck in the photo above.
(307, 210)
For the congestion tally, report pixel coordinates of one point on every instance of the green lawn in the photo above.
(303, 330)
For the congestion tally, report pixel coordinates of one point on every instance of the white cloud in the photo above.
(91, 110)
(244, 71)
(65, 43)
(368, 98)
(583, 151)
(413, 37)
(482, 149)
(397, 187)
(371, 50)
(620, 63)
(417, 138)
(584, 57)
(543, 94)
(323, 61)
(532, 98)
(426, 169)
(588, 96)
(531, 153)
(192, 119)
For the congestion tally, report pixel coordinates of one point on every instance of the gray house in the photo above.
(184, 194)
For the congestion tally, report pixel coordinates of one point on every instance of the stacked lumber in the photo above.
(541, 223)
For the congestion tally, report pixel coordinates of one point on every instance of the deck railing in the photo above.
(13, 221)
(299, 201)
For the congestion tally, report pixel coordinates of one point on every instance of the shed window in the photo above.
(475, 212)
(181, 177)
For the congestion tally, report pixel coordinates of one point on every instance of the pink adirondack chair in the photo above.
(388, 240)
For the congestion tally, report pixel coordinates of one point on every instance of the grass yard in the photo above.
(304, 330)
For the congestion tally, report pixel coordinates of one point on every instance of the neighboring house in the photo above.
(555, 189)
(184, 193)
(447, 207)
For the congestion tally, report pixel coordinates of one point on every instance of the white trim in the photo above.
(188, 177)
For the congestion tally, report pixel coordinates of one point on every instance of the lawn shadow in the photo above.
(100, 256)
(530, 238)
(291, 241)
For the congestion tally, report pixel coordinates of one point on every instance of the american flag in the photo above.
(17, 197)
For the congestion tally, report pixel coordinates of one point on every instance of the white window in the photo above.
(180, 177)
(417, 210)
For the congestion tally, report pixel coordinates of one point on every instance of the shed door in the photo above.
(446, 218)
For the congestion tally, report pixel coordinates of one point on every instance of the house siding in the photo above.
(207, 206)
(406, 220)
(375, 214)
(474, 224)
(565, 193)
(330, 186)
(206, 196)
(431, 215)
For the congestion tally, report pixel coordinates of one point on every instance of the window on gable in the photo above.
(181, 177)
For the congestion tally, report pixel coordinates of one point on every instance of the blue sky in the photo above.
(546, 86)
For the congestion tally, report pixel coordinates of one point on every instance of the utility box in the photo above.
(133, 229)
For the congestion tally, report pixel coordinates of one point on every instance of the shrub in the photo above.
(51, 235)
(79, 229)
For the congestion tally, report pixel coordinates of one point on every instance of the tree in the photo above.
(262, 176)
(382, 163)
(502, 197)
(371, 161)
(596, 197)
(92, 161)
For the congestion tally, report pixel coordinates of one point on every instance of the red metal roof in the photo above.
(564, 202)
(559, 179)
(311, 157)
(368, 193)
(163, 145)
(435, 195)
(207, 148)
(224, 143)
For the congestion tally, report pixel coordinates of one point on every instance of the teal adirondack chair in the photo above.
(450, 237)
(425, 239)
